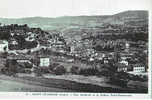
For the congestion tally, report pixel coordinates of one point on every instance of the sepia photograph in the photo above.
(75, 46)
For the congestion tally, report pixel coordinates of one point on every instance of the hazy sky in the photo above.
(54, 8)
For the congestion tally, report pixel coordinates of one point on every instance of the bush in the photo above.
(12, 67)
(145, 78)
(106, 70)
(24, 70)
(138, 78)
(53, 65)
(37, 71)
(21, 69)
(27, 65)
(59, 70)
(44, 70)
(122, 75)
(89, 71)
(74, 70)
(105, 73)
(24, 67)
(4, 70)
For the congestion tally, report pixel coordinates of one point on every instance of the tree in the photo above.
(107, 70)
(12, 67)
(37, 71)
(59, 70)
(74, 70)
(89, 71)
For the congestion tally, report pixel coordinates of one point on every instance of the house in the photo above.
(59, 46)
(3, 45)
(121, 67)
(105, 60)
(124, 62)
(19, 58)
(44, 61)
(125, 56)
(13, 41)
(139, 68)
(19, 62)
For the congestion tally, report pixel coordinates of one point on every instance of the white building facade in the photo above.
(139, 68)
(44, 62)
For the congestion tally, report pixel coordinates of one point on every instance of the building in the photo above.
(3, 45)
(124, 62)
(133, 68)
(124, 56)
(20, 62)
(13, 41)
(59, 46)
(121, 67)
(105, 60)
(127, 46)
(139, 68)
(44, 61)
(20, 58)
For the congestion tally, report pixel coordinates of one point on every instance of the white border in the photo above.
(150, 51)
(149, 95)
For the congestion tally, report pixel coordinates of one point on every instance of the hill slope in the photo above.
(78, 21)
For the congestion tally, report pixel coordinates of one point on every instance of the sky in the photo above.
(55, 8)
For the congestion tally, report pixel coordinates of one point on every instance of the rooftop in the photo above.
(19, 57)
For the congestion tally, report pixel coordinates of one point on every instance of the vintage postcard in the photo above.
(99, 48)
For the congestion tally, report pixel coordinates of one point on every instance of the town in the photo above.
(117, 54)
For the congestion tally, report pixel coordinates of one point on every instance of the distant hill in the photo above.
(133, 13)
(128, 16)
(56, 23)
(79, 21)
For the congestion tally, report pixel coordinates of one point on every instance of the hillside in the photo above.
(129, 16)
(129, 25)
(78, 21)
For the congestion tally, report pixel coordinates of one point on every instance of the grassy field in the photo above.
(41, 84)
(11, 84)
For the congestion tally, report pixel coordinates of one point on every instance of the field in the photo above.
(41, 84)
(9, 84)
